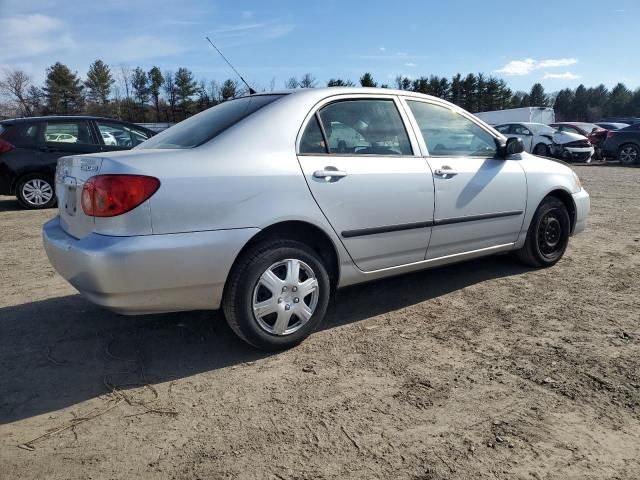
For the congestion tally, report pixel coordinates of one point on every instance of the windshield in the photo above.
(206, 125)
(587, 127)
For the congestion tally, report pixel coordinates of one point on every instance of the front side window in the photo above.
(68, 132)
(521, 130)
(503, 128)
(118, 135)
(364, 127)
(204, 126)
(448, 133)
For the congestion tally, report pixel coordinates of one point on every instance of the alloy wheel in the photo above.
(285, 297)
(37, 192)
(628, 155)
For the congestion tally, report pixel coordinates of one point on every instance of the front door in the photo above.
(479, 199)
(524, 134)
(361, 168)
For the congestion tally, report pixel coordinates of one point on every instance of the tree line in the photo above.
(137, 95)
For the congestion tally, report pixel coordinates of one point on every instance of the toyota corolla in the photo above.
(264, 205)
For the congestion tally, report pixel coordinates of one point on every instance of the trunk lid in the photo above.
(71, 175)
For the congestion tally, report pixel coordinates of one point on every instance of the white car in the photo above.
(546, 141)
(61, 137)
(108, 138)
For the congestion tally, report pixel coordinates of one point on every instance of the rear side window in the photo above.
(206, 125)
(68, 132)
(21, 134)
(364, 127)
(312, 141)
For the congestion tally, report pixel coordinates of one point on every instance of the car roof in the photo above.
(324, 92)
(12, 121)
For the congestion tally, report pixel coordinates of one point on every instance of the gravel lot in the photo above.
(481, 370)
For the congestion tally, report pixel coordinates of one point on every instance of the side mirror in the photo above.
(509, 147)
(514, 145)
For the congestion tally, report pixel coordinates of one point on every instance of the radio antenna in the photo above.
(251, 90)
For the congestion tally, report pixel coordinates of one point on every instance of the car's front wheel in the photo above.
(541, 150)
(628, 154)
(548, 234)
(36, 191)
(277, 294)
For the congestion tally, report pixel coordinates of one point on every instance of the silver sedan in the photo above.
(265, 204)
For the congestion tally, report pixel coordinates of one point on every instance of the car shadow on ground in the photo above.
(58, 352)
(8, 204)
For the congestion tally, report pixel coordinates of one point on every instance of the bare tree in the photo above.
(291, 83)
(15, 84)
(308, 81)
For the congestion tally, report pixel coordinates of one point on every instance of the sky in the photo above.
(559, 43)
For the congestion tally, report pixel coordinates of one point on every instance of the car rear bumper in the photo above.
(147, 273)
(583, 205)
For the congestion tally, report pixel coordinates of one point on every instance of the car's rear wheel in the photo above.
(277, 294)
(541, 149)
(548, 234)
(628, 154)
(35, 191)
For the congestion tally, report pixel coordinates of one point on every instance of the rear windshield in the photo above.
(204, 126)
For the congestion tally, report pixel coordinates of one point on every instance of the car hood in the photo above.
(566, 137)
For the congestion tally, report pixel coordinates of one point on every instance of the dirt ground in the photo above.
(481, 370)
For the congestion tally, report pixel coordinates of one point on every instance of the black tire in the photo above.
(548, 234)
(629, 154)
(243, 282)
(541, 149)
(31, 202)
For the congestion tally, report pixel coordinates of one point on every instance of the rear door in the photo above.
(67, 137)
(480, 199)
(365, 173)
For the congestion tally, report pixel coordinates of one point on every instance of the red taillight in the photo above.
(111, 195)
(5, 146)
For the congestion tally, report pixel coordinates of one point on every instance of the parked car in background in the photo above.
(266, 204)
(623, 145)
(543, 115)
(612, 125)
(629, 120)
(30, 148)
(546, 141)
(593, 132)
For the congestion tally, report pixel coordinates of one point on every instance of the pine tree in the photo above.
(229, 90)
(367, 80)
(537, 97)
(64, 90)
(140, 86)
(580, 103)
(186, 87)
(98, 83)
(155, 82)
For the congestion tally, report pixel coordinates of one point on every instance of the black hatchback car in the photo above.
(623, 144)
(30, 148)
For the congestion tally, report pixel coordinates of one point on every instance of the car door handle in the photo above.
(445, 172)
(328, 173)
